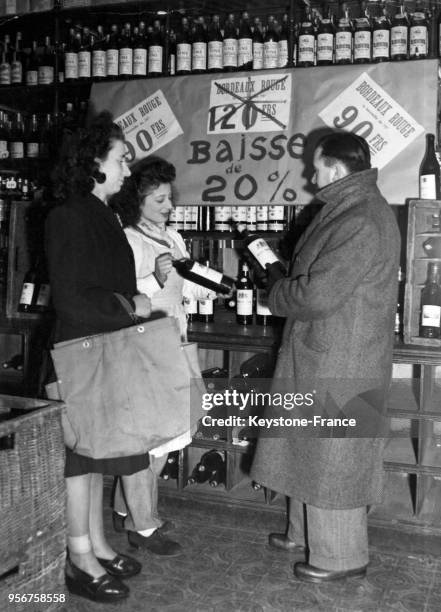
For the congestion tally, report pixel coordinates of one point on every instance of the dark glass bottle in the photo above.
(17, 62)
(29, 291)
(140, 51)
(199, 48)
(125, 53)
(283, 54)
(381, 39)
(418, 36)
(218, 476)
(14, 363)
(257, 45)
(429, 176)
(362, 40)
(32, 138)
(210, 462)
(325, 43)
(183, 48)
(306, 42)
(85, 56)
(171, 69)
(5, 63)
(215, 46)
(230, 45)
(191, 309)
(112, 53)
(343, 40)
(99, 71)
(203, 275)
(171, 467)
(206, 311)
(271, 45)
(4, 138)
(16, 142)
(155, 51)
(71, 57)
(244, 297)
(399, 36)
(245, 44)
(430, 320)
(263, 313)
(261, 251)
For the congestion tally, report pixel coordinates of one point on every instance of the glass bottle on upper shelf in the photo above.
(306, 42)
(257, 45)
(215, 61)
(139, 51)
(99, 69)
(245, 46)
(399, 36)
(343, 39)
(199, 48)
(418, 34)
(183, 48)
(230, 45)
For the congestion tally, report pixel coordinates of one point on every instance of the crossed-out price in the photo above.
(246, 186)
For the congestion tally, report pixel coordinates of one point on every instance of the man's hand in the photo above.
(163, 265)
(143, 305)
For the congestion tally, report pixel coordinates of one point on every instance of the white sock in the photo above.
(147, 532)
(79, 544)
(124, 514)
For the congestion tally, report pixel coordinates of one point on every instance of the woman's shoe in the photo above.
(121, 566)
(118, 522)
(156, 543)
(105, 589)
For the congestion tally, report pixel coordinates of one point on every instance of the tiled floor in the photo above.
(228, 567)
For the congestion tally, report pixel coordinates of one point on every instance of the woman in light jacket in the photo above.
(144, 204)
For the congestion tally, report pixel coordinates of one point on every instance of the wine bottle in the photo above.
(14, 363)
(125, 53)
(203, 275)
(399, 36)
(271, 46)
(245, 294)
(261, 251)
(183, 48)
(171, 467)
(85, 56)
(16, 143)
(155, 49)
(140, 51)
(245, 45)
(191, 309)
(218, 476)
(99, 70)
(5, 63)
(343, 40)
(71, 57)
(263, 313)
(112, 53)
(283, 54)
(199, 48)
(418, 36)
(206, 311)
(362, 40)
(306, 42)
(325, 43)
(230, 45)
(17, 61)
(431, 303)
(430, 172)
(209, 462)
(257, 45)
(32, 139)
(28, 292)
(215, 47)
(381, 39)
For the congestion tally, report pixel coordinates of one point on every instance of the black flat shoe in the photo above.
(121, 566)
(156, 543)
(105, 589)
(118, 522)
(309, 573)
(282, 542)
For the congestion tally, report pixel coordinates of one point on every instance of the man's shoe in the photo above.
(105, 589)
(121, 566)
(118, 522)
(309, 573)
(282, 542)
(166, 527)
(156, 543)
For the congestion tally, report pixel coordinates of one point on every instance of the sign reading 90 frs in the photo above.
(148, 126)
(259, 103)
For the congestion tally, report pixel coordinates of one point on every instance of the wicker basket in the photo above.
(32, 502)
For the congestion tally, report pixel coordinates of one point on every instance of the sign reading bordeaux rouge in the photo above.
(240, 139)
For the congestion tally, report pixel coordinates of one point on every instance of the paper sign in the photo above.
(149, 125)
(257, 103)
(367, 109)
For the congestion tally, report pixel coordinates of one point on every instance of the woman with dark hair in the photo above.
(144, 204)
(90, 261)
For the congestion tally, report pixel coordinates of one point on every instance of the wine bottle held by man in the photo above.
(430, 172)
(430, 321)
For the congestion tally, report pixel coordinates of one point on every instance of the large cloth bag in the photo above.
(129, 391)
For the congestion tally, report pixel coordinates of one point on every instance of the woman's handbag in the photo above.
(128, 391)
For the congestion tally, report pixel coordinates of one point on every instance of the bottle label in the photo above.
(362, 45)
(155, 59)
(4, 153)
(262, 307)
(343, 46)
(431, 316)
(270, 54)
(99, 63)
(262, 213)
(222, 216)
(262, 252)
(189, 219)
(17, 149)
(283, 54)
(428, 187)
(244, 51)
(31, 78)
(16, 73)
(206, 307)
(112, 62)
(183, 57)
(71, 65)
(172, 64)
(140, 62)
(199, 55)
(276, 218)
(5, 74)
(251, 218)
(215, 55)
(84, 64)
(239, 214)
(244, 302)
(27, 294)
(306, 48)
(44, 294)
(45, 75)
(418, 40)
(398, 40)
(190, 306)
(208, 273)
(380, 43)
(32, 149)
(257, 56)
(325, 47)
(229, 52)
(125, 65)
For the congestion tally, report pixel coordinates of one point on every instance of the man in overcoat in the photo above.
(339, 300)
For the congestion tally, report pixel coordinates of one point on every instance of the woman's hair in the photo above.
(146, 175)
(350, 149)
(77, 169)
